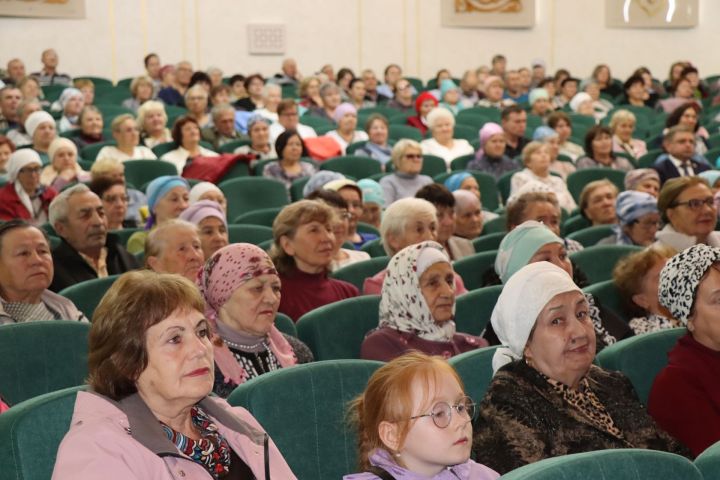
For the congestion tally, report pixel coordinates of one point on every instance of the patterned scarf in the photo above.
(403, 306)
(211, 451)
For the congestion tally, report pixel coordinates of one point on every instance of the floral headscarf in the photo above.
(225, 271)
(403, 306)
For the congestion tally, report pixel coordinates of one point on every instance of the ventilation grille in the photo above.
(266, 39)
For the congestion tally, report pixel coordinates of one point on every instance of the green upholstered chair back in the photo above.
(264, 216)
(475, 369)
(641, 357)
(474, 309)
(609, 296)
(30, 434)
(496, 225)
(599, 271)
(589, 236)
(708, 462)
(620, 464)
(41, 357)
(87, 295)
(245, 194)
(245, 233)
(140, 172)
(357, 272)
(576, 181)
(367, 228)
(574, 223)
(374, 248)
(303, 409)
(487, 242)
(285, 324)
(337, 330)
(472, 268)
(353, 165)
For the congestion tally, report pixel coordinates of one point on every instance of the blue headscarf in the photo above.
(632, 205)
(157, 189)
(454, 181)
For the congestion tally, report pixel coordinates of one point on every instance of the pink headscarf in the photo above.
(487, 131)
(229, 268)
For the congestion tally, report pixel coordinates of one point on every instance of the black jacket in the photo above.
(667, 169)
(71, 268)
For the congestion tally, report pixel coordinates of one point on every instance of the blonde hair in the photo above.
(119, 120)
(588, 190)
(400, 148)
(137, 81)
(388, 398)
(147, 107)
(621, 116)
(105, 167)
(530, 150)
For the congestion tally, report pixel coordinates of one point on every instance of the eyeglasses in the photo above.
(413, 155)
(30, 170)
(647, 223)
(696, 203)
(441, 412)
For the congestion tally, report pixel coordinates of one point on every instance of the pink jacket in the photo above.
(123, 441)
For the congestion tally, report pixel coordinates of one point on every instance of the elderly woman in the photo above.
(64, 168)
(289, 167)
(127, 135)
(260, 144)
(546, 398)
(622, 126)
(582, 104)
(141, 89)
(373, 202)
(599, 151)
(40, 126)
(24, 196)
(637, 277)
(115, 170)
(71, 102)
(424, 104)
(309, 92)
(551, 139)
(491, 158)
(536, 159)
(211, 222)
(356, 94)
(302, 252)
(688, 209)
(167, 197)
(450, 96)
(638, 220)
(330, 99)
(151, 365)
(186, 135)
(377, 146)
(643, 180)
(406, 179)
(561, 123)
(30, 89)
(417, 307)
(683, 399)
(241, 288)
(114, 196)
(174, 247)
(597, 202)
(26, 271)
(152, 119)
(345, 116)
(254, 87)
(494, 87)
(441, 123)
(271, 97)
(19, 135)
(463, 181)
(196, 100)
(406, 222)
(539, 100)
(90, 121)
(207, 191)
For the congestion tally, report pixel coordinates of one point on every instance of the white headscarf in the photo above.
(201, 189)
(522, 299)
(18, 160)
(402, 305)
(35, 119)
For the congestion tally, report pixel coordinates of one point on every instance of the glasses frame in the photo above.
(465, 402)
(696, 203)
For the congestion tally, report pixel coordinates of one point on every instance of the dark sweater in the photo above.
(302, 292)
(386, 343)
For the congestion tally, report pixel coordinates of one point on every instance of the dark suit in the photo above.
(667, 169)
(71, 268)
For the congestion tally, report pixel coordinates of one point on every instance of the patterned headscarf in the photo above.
(225, 271)
(634, 177)
(402, 305)
(681, 276)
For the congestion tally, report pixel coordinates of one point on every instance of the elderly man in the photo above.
(15, 72)
(514, 123)
(87, 251)
(10, 97)
(174, 94)
(222, 130)
(49, 74)
(288, 119)
(371, 87)
(468, 214)
(679, 143)
(175, 247)
(289, 74)
(514, 87)
(19, 135)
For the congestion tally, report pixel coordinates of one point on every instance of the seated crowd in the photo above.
(528, 170)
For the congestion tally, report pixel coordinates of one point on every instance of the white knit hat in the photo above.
(35, 119)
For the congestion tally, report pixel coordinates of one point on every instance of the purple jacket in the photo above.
(124, 440)
(469, 470)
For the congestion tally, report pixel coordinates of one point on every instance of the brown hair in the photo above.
(554, 118)
(117, 346)
(672, 189)
(630, 271)
(516, 210)
(177, 135)
(590, 188)
(287, 223)
(388, 398)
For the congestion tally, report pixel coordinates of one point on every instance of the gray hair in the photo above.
(327, 88)
(269, 88)
(465, 199)
(621, 116)
(217, 110)
(58, 211)
(158, 237)
(437, 114)
(196, 88)
(397, 216)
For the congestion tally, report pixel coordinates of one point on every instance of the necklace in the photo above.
(247, 348)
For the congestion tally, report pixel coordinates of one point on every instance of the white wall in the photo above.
(116, 34)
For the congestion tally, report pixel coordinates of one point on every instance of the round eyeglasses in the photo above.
(441, 412)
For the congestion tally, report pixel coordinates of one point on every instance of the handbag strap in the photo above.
(381, 473)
